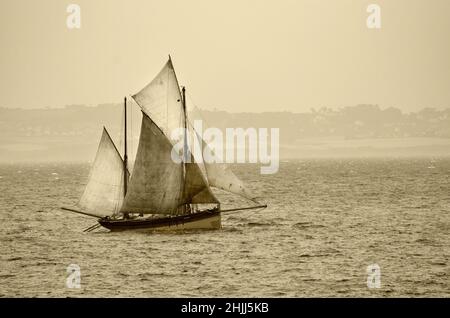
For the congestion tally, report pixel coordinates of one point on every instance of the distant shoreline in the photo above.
(72, 133)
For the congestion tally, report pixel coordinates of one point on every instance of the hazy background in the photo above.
(72, 133)
(311, 68)
(235, 55)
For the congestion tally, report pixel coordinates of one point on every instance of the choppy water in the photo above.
(327, 221)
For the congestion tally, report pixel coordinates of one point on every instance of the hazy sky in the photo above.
(234, 55)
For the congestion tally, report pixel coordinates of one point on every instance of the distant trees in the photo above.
(360, 121)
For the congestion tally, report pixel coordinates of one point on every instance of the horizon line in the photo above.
(215, 109)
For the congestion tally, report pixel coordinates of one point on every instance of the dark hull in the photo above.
(200, 220)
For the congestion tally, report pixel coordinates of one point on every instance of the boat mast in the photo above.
(125, 155)
(183, 90)
(185, 147)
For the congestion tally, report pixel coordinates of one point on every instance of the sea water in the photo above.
(326, 222)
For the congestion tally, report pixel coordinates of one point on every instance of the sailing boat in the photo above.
(159, 193)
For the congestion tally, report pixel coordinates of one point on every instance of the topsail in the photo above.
(161, 101)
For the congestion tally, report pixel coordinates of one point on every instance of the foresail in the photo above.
(155, 186)
(161, 100)
(196, 188)
(222, 177)
(104, 191)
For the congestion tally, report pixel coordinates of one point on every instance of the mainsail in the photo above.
(104, 192)
(158, 184)
(155, 185)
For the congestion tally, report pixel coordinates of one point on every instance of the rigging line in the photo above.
(198, 109)
(121, 136)
(203, 120)
(196, 133)
(233, 212)
(172, 69)
(112, 141)
(118, 190)
(131, 129)
(167, 100)
(90, 227)
(206, 125)
(120, 180)
(197, 136)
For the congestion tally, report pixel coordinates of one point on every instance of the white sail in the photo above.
(222, 177)
(161, 100)
(104, 192)
(217, 175)
(158, 184)
(196, 188)
(155, 186)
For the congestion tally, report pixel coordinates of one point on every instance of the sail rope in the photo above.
(167, 102)
(131, 149)
(195, 133)
(240, 210)
(121, 146)
(198, 110)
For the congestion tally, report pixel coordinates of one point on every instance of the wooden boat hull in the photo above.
(204, 220)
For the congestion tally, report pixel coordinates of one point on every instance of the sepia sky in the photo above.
(233, 55)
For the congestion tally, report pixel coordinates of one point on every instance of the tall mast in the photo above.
(125, 154)
(185, 148)
(185, 152)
